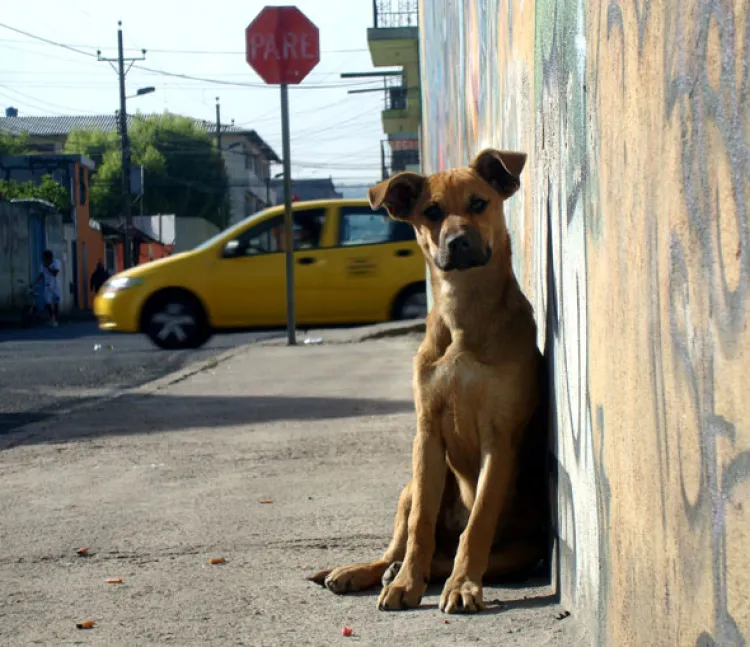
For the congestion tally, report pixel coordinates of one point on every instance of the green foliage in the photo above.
(13, 144)
(47, 189)
(184, 172)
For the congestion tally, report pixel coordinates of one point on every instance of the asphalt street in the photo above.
(44, 370)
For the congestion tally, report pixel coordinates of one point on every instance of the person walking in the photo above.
(99, 277)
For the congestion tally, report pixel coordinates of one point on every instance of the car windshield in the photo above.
(234, 228)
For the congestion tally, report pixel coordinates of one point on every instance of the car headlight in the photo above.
(120, 283)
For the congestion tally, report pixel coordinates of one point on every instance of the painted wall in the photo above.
(632, 240)
(90, 243)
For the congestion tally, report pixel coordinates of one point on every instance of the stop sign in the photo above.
(282, 45)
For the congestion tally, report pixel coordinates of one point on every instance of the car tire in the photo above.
(175, 320)
(411, 303)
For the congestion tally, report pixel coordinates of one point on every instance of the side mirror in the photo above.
(233, 249)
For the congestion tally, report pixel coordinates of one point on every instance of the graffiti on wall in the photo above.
(631, 239)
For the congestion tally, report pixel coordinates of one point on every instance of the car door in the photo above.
(249, 278)
(375, 257)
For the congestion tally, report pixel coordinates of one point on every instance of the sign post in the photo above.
(283, 46)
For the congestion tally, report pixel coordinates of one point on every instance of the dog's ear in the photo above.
(500, 169)
(398, 194)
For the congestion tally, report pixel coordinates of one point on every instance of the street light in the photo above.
(127, 243)
(141, 91)
(123, 118)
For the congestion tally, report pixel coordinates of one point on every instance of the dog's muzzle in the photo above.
(462, 251)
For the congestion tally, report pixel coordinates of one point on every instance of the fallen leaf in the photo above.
(86, 624)
(265, 500)
(216, 560)
(563, 615)
(114, 580)
(347, 631)
(83, 552)
(446, 622)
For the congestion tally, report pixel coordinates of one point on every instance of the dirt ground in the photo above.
(281, 461)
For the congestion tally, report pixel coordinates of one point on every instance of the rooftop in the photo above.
(63, 125)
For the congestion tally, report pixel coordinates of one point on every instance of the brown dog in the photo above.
(476, 507)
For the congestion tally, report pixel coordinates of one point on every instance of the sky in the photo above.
(333, 133)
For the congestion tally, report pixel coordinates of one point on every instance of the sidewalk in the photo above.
(280, 460)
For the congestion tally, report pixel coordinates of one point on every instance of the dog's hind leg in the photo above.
(367, 575)
(516, 561)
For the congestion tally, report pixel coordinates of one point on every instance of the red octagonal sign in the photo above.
(282, 45)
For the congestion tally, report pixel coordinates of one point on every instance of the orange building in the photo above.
(89, 239)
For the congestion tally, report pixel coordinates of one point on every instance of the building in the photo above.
(153, 237)
(393, 41)
(82, 244)
(247, 156)
(311, 189)
(27, 228)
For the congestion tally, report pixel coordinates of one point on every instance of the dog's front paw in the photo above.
(404, 592)
(461, 595)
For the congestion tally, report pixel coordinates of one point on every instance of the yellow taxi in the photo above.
(352, 265)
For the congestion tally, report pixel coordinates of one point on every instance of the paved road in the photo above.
(45, 369)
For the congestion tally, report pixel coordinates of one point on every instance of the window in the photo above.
(361, 226)
(268, 237)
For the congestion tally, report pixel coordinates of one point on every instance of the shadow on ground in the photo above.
(145, 414)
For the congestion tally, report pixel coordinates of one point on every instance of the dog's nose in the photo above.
(458, 243)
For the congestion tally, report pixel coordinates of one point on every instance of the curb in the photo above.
(353, 335)
(396, 329)
(22, 434)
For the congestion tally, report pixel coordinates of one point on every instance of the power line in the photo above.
(212, 52)
(29, 98)
(178, 75)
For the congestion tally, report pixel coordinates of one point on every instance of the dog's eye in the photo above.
(434, 213)
(477, 205)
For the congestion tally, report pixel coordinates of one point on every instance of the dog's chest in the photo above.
(459, 382)
(472, 397)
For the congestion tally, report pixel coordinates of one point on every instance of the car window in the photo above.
(362, 226)
(268, 237)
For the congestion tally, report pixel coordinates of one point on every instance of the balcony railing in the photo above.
(395, 13)
(395, 98)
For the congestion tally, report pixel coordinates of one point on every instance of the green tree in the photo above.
(184, 172)
(13, 144)
(46, 189)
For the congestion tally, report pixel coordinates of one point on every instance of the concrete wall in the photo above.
(632, 240)
(191, 232)
(16, 269)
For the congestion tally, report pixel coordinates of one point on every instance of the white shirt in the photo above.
(52, 281)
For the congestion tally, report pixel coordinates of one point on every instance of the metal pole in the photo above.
(127, 253)
(222, 215)
(288, 221)
(218, 124)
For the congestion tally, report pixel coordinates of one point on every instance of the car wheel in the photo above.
(176, 321)
(411, 304)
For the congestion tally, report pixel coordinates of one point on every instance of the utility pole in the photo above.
(125, 144)
(221, 155)
(218, 124)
